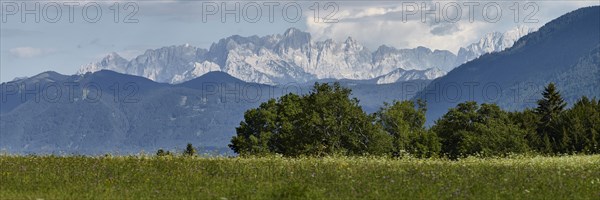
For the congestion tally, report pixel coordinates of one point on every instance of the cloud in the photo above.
(30, 52)
(389, 25)
(376, 30)
(445, 29)
(395, 24)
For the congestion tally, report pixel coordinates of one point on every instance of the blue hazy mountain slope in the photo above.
(563, 51)
(109, 112)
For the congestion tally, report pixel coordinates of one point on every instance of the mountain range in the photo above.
(295, 57)
(106, 111)
(172, 96)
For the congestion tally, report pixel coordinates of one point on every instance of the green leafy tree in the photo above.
(549, 109)
(255, 133)
(335, 123)
(324, 122)
(527, 120)
(405, 124)
(470, 129)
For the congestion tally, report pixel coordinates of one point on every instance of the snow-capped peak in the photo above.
(112, 61)
(399, 75)
(492, 42)
(295, 57)
(352, 44)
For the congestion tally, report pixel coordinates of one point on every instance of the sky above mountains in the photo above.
(63, 35)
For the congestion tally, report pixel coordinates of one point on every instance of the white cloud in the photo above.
(29, 52)
(374, 25)
(399, 34)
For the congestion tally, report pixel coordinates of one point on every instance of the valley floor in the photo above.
(50, 177)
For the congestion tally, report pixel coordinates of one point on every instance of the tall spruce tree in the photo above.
(549, 109)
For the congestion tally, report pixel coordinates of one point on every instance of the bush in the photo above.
(162, 152)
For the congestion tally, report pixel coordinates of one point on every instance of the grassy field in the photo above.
(49, 177)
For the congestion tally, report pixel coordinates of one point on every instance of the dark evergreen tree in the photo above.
(579, 128)
(549, 109)
(189, 150)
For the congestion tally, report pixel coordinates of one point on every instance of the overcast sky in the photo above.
(70, 34)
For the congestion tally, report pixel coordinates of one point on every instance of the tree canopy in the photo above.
(328, 121)
(324, 122)
(471, 129)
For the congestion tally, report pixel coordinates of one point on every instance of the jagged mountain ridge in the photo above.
(295, 57)
(400, 75)
(492, 42)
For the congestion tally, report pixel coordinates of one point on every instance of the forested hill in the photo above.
(564, 51)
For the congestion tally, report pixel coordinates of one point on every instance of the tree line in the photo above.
(327, 121)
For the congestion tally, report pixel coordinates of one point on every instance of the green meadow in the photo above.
(180, 177)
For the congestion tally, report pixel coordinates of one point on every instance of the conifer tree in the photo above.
(549, 109)
(189, 150)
